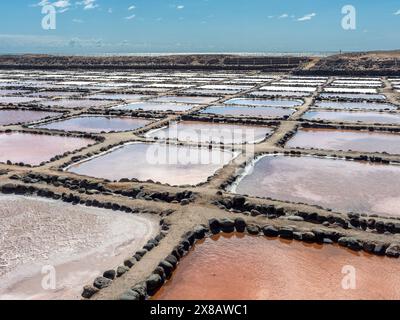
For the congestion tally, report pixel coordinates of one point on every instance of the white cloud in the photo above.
(110, 10)
(397, 13)
(88, 4)
(130, 17)
(131, 8)
(283, 16)
(77, 20)
(60, 5)
(180, 7)
(307, 17)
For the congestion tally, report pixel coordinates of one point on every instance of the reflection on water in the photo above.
(265, 102)
(176, 165)
(19, 116)
(248, 111)
(353, 96)
(96, 124)
(199, 131)
(331, 139)
(154, 106)
(342, 185)
(75, 103)
(34, 148)
(183, 99)
(115, 96)
(16, 100)
(278, 93)
(354, 105)
(368, 117)
(244, 267)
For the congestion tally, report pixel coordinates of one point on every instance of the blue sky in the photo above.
(137, 26)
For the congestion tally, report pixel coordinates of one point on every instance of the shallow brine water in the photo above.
(183, 99)
(16, 100)
(278, 93)
(6, 92)
(351, 90)
(20, 116)
(354, 105)
(154, 106)
(241, 267)
(353, 116)
(96, 124)
(218, 92)
(288, 88)
(54, 94)
(112, 96)
(225, 87)
(204, 132)
(265, 102)
(346, 140)
(247, 111)
(75, 103)
(77, 242)
(350, 96)
(175, 165)
(347, 186)
(35, 148)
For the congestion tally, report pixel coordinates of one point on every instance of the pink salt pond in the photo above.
(347, 116)
(97, 124)
(34, 149)
(172, 164)
(341, 185)
(346, 140)
(249, 111)
(8, 117)
(75, 103)
(241, 267)
(205, 132)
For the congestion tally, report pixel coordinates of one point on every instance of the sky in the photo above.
(200, 26)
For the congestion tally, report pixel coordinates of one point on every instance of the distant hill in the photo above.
(189, 61)
(359, 63)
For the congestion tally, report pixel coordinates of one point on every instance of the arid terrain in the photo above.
(202, 201)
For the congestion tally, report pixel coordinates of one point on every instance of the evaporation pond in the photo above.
(96, 124)
(75, 103)
(203, 132)
(355, 105)
(21, 116)
(154, 106)
(347, 186)
(248, 111)
(186, 99)
(242, 267)
(79, 242)
(175, 165)
(368, 117)
(346, 140)
(265, 103)
(36, 148)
